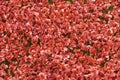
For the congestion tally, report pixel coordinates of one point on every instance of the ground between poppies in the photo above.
(59, 39)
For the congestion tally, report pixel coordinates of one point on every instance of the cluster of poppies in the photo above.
(59, 39)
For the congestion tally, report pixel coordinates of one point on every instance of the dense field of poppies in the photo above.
(59, 39)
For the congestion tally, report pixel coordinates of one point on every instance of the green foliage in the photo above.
(49, 55)
(115, 33)
(33, 74)
(102, 18)
(13, 74)
(77, 47)
(71, 50)
(14, 60)
(107, 10)
(85, 1)
(6, 70)
(29, 42)
(6, 62)
(88, 43)
(93, 56)
(86, 52)
(3, 20)
(66, 35)
(71, 1)
(111, 8)
(28, 62)
(102, 64)
(50, 2)
(91, 11)
(38, 42)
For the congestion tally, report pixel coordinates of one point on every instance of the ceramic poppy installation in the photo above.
(59, 39)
